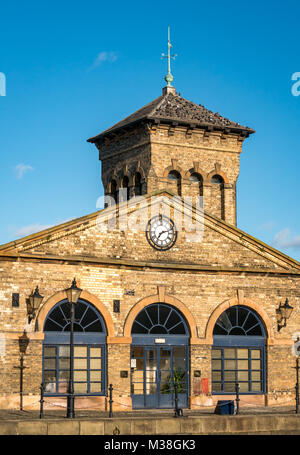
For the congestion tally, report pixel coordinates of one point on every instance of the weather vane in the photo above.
(169, 77)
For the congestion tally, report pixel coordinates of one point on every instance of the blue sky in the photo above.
(74, 68)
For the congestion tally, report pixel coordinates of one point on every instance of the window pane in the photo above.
(243, 364)
(80, 375)
(80, 351)
(217, 353)
(229, 387)
(137, 376)
(80, 364)
(229, 353)
(243, 375)
(95, 387)
(50, 376)
(95, 352)
(256, 386)
(216, 364)
(95, 364)
(63, 386)
(151, 388)
(216, 376)
(217, 387)
(64, 375)
(256, 376)
(49, 351)
(178, 364)
(229, 364)
(255, 364)
(137, 388)
(244, 387)
(64, 363)
(64, 351)
(80, 387)
(229, 375)
(137, 352)
(242, 353)
(95, 376)
(49, 364)
(179, 351)
(255, 353)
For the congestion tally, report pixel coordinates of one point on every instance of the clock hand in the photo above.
(162, 232)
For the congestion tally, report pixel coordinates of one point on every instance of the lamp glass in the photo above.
(35, 299)
(286, 310)
(73, 293)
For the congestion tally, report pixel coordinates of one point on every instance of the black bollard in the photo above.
(237, 391)
(42, 401)
(110, 400)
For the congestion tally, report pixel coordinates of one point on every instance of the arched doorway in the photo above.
(238, 353)
(89, 350)
(159, 357)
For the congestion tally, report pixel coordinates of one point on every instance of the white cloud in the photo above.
(284, 239)
(21, 169)
(104, 57)
(31, 229)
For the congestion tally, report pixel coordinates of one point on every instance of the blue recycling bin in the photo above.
(225, 407)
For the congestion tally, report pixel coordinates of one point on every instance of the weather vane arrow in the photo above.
(169, 77)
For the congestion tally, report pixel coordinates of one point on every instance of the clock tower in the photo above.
(175, 144)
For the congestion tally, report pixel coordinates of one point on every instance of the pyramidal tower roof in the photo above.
(173, 109)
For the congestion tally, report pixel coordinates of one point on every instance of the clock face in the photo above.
(161, 232)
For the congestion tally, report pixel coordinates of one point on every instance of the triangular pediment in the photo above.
(117, 235)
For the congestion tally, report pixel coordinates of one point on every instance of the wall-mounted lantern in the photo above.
(33, 303)
(283, 313)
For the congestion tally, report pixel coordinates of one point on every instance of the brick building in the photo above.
(166, 299)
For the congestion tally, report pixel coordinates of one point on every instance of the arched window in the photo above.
(196, 179)
(89, 350)
(217, 180)
(175, 177)
(238, 354)
(114, 190)
(218, 197)
(159, 318)
(125, 186)
(137, 184)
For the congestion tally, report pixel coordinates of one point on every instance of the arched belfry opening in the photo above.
(159, 357)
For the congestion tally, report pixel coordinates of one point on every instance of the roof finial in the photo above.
(169, 77)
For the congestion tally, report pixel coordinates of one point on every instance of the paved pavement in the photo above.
(138, 414)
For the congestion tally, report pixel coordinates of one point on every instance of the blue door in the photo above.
(159, 358)
(155, 371)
